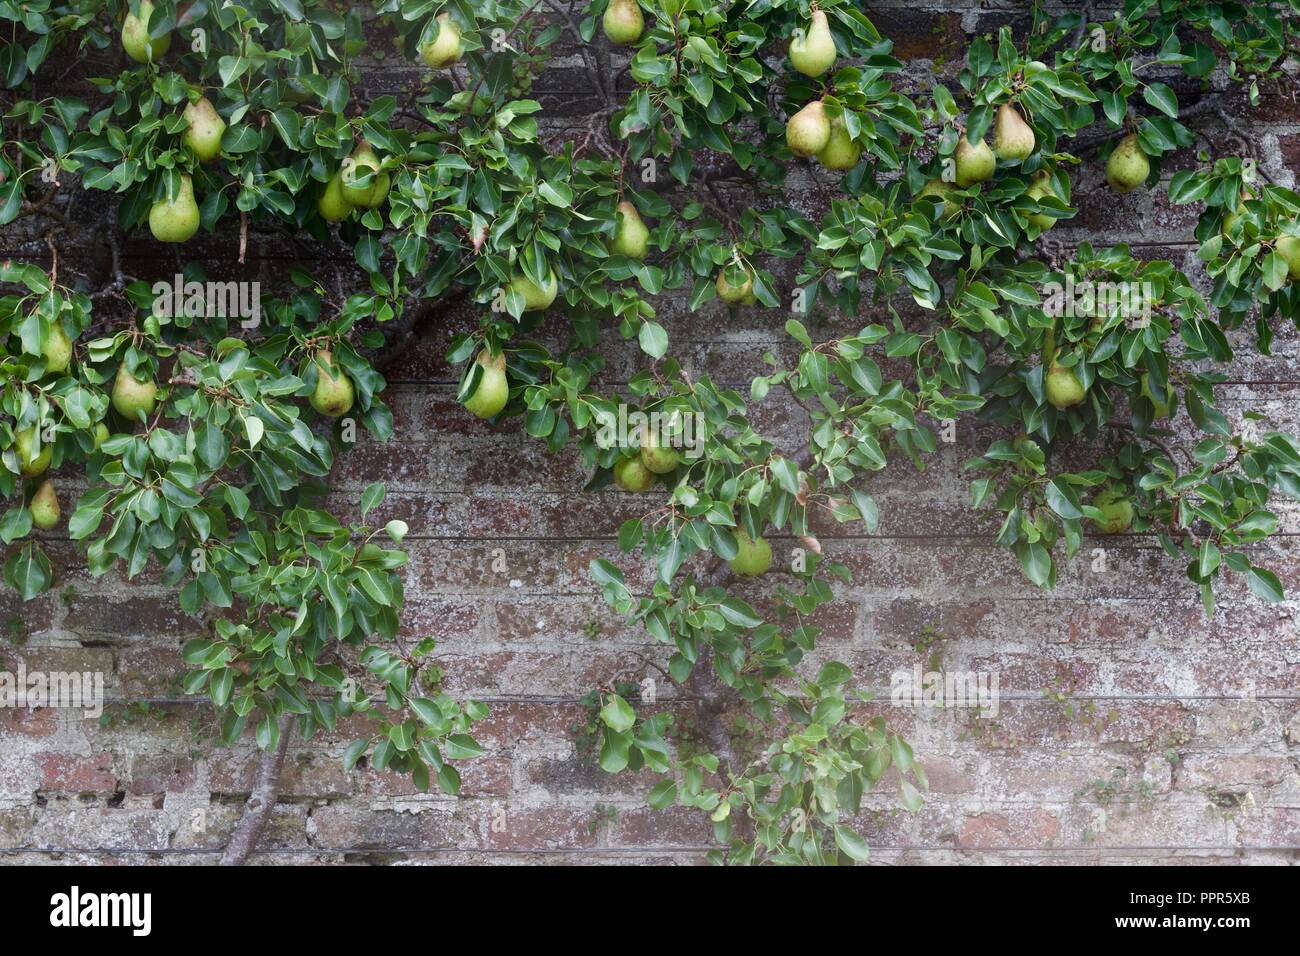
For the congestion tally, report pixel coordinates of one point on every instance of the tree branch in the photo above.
(261, 802)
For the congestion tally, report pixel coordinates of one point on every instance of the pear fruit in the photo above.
(656, 457)
(940, 190)
(1117, 511)
(31, 464)
(1161, 408)
(1128, 167)
(975, 162)
(131, 396)
(631, 475)
(1013, 139)
(1063, 387)
(809, 130)
(754, 556)
(536, 298)
(1288, 247)
(1039, 186)
(631, 234)
(446, 48)
(203, 136)
(840, 152)
(623, 22)
(365, 162)
(492, 391)
(812, 52)
(57, 350)
(175, 219)
(334, 393)
(135, 36)
(735, 294)
(44, 506)
(333, 205)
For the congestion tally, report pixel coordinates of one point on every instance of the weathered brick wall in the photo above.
(1179, 737)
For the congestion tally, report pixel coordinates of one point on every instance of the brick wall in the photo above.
(1131, 728)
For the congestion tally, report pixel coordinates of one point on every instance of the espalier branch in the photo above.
(199, 448)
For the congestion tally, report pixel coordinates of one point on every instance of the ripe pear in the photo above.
(30, 465)
(975, 163)
(135, 36)
(203, 136)
(1063, 387)
(940, 190)
(631, 475)
(812, 53)
(1128, 167)
(333, 205)
(1013, 138)
(493, 390)
(735, 294)
(175, 219)
(364, 162)
(57, 350)
(631, 234)
(754, 556)
(1161, 408)
(131, 396)
(1117, 511)
(536, 298)
(334, 393)
(1288, 247)
(840, 152)
(623, 22)
(809, 130)
(44, 506)
(446, 48)
(656, 457)
(1039, 186)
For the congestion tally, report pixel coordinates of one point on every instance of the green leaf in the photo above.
(617, 714)
(851, 843)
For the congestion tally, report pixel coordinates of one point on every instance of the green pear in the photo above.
(1063, 387)
(1117, 511)
(631, 475)
(938, 189)
(536, 298)
(30, 462)
(809, 130)
(57, 350)
(656, 457)
(332, 204)
(735, 294)
(1161, 408)
(975, 162)
(446, 48)
(623, 22)
(364, 162)
(44, 506)
(1288, 247)
(131, 396)
(493, 390)
(1128, 167)
(840, 152)
(812, 52)
(1013, 139)
(631, 234)
(753, 557)
(175, 219)
(135, 36)
(1233, 215)
(1040, 186)
(334, 393)
(203, 136)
